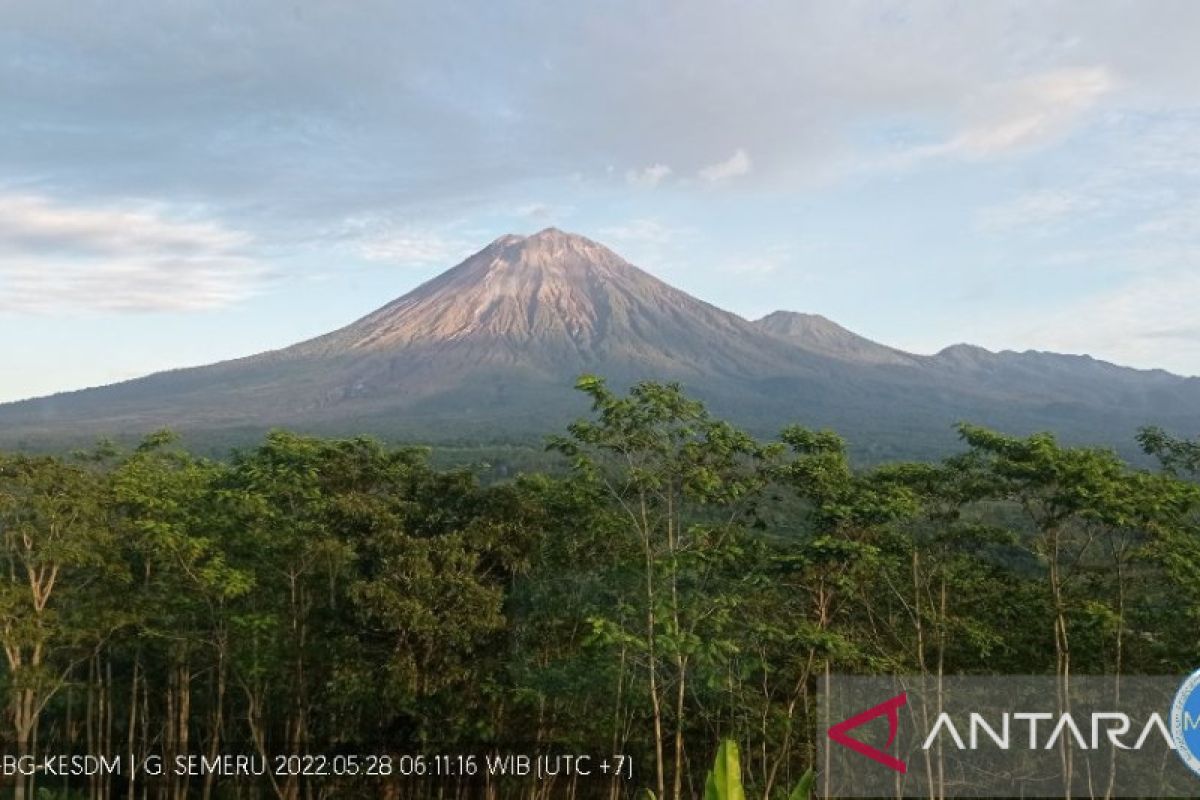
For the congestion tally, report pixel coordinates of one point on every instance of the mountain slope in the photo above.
(495, 342)
(490, 349)
(820, 335)
(552, 300)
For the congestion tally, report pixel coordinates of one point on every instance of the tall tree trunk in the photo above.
(680, 695)
(218, 719)
(131, 734)
(660, 778)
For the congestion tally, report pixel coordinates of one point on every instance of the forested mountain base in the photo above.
(683, 584)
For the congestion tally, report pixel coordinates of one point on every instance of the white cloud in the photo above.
(542, 212)
(35, 222)
(1038, 208)
(410, 245)
(293, 128)
(1017, 116)
(648, 177)
(652, 244)
(301, 127)
(534, 210)
(1031, 112)
(641, 231)
(59, 259)
(733, 167)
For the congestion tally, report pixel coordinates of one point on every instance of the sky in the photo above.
(196, 180)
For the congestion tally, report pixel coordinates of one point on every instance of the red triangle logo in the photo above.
(889, 707)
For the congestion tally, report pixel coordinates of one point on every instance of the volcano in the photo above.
(490, 349)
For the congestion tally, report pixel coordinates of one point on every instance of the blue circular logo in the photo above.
(1185, 722)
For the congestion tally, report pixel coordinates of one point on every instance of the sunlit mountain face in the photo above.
(492, 347)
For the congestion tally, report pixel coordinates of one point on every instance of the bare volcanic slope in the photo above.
(490, 350)
(492, 343)
(549, 301)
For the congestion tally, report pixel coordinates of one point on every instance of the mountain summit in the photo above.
(820, 335)
(517, 289)
(552, 299)
(490, 349)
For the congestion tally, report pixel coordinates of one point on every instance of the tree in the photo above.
(175, 538)
(686, 485)
(1177, 456)
(1083, 505)
(55, 551)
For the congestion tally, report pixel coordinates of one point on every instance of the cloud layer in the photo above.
(180, 156)
(58, 259)
(334, 108)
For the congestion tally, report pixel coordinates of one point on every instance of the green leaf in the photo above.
(804, 788)
(725, 779)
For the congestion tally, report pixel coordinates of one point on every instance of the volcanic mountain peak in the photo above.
(492, 347)
(556, 293)
(550, 250)
(515, 287)
(821, 335)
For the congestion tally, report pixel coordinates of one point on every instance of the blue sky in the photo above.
(191, 181)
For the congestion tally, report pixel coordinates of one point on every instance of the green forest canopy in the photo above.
(682, 582)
